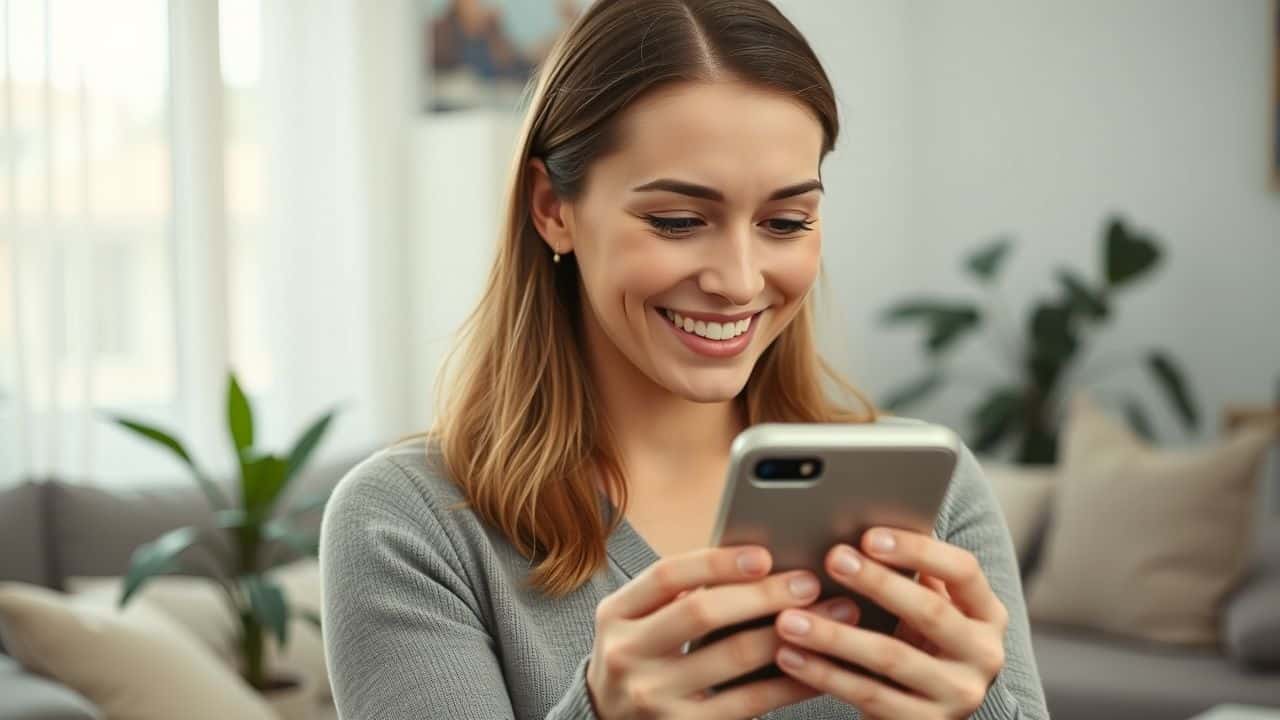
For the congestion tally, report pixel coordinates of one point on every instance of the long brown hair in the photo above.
(521, 430)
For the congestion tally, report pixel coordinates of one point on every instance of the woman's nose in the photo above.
(732, 270)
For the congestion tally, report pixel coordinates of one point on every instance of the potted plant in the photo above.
(241, 544)
(1043, 360)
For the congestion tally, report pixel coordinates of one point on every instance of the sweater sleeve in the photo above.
(975, 522)
(403, 629)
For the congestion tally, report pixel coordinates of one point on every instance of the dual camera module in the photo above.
(789, 468)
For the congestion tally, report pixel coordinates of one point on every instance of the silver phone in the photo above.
(798, 489)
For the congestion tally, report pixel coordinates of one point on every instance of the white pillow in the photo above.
(134, 664)
(203, 609)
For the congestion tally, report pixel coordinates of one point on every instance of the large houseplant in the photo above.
(1043, 360)
(242, 541)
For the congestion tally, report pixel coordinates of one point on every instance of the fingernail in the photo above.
(790, 658)
(803, 586)
(847, 562)
(795, 623)
(882, 540)
(751, 562)
(841, 610)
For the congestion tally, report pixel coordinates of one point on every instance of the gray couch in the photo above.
(53, 530)
(1092, 676)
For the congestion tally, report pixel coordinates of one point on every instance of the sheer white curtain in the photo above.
(166, 215)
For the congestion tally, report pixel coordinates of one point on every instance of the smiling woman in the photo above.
(542, 552)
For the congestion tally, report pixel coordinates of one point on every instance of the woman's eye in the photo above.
(674, 226)
(783, 226)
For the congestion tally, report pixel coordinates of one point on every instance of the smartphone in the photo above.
(800, 488)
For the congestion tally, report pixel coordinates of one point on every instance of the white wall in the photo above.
(963, 120)
(1039, 119)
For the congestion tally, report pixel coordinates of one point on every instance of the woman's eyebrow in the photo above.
(702, 191)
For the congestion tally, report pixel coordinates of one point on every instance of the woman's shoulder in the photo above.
(406, 481)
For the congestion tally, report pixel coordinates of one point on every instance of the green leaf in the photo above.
(268, 604)
(1052, 331)
(1138, 419)
(211, 491)
(305, 543)
(996, 416)
(1128, 254)
(158, 557)
(913, 392)
(1082, 298)
(261, 482)
(239, 418)
(306, 443)
(231, 519)
(986, 261)
(946, 321)
(1171, 380)
(310, 616)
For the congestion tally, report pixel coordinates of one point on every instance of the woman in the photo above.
(541, 553)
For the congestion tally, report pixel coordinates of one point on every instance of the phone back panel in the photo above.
(892, 474)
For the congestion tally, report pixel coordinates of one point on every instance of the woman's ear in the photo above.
(552, 217)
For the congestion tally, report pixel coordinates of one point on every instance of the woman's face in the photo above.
(699, 238)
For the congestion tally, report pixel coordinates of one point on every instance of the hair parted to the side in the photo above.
(520, 429)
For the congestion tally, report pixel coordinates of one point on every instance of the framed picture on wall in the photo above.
(482, 53)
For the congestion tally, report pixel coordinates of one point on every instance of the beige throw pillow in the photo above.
(1024, 493)
(1146, 543)
(198, 605)
(134, 664)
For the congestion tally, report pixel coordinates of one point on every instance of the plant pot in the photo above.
(290, 695)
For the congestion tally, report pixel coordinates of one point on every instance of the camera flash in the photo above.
(806, 469)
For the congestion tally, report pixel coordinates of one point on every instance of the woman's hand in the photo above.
(637, 668)
(947, 650)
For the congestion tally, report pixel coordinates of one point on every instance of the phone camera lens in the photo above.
(767, 470)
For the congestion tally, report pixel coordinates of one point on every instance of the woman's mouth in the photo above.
(712, 338)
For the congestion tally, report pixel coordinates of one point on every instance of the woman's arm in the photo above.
(402, 626)
(976, 523)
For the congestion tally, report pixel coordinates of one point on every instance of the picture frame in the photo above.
(481, 54)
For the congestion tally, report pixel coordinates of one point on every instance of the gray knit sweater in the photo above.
(426, 614)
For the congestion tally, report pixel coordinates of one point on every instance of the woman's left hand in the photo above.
(947, 650)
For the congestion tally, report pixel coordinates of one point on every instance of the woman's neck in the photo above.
(667, 444)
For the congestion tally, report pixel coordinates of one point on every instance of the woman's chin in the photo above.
(709, 386)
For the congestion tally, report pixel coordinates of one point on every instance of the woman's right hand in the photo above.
(637, 669)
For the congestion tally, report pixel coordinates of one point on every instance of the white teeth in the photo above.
(709, 330)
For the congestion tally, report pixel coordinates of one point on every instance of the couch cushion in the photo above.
(95, 530)
(1251, 623)
(1092, 676)
(1147, 542)
(1024, 493)
(24, 696)
(22, 535)
(133, 663)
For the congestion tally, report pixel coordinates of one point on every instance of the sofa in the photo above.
(51, 530)
(1094, 676)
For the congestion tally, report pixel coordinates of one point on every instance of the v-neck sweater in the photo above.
(427, 613)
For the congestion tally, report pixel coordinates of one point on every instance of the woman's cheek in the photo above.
(795, 270)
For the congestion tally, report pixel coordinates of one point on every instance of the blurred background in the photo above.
(307, 192)
(1028, 201)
